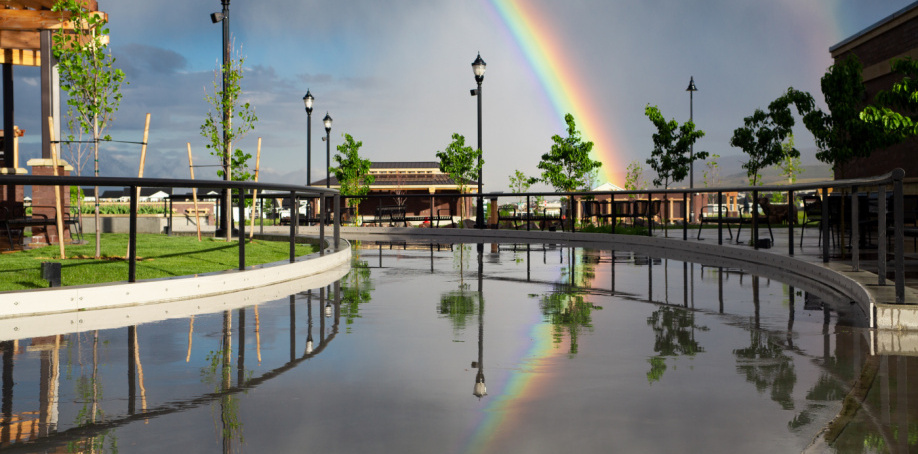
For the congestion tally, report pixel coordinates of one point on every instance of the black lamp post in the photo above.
(328, 122)
(223, 16)
(478, 67)
(308, 100)
(691, 89)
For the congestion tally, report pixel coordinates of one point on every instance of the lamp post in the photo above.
(223, 16)
(308, 100)
(478, 67)
(691, 89)
(328, 122)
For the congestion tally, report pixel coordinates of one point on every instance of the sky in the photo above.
(396, 75)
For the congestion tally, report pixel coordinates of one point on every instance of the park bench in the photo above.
(540, 216)
(709, 215)
(391, 214)
(14, 220)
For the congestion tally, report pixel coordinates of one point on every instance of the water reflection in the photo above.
(804, 369)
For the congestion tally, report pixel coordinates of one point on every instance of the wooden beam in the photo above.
(21, 57)
(27, 19)
(21, 40)
(33, 4)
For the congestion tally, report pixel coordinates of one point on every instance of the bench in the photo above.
(391, 215)
(518, 219)
(709, 216)
(15, 220)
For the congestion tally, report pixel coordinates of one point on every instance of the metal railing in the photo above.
(880, 184)
(243, 188)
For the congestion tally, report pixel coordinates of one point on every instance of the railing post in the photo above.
(791, 219)
(292, 232)
(685, 216)
(898, 228)
(528, 213)
(825, 224)
(322, 216)
(755, 219)
(881, 234)
(242, 220)
(855, 230)
(720, 218)
(132, 237)
(336, 235)
(169, 233)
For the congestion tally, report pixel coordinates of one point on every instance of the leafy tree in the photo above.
(672, 153)
(763, 133)
(88, 76)
(353, 172)
(634, 178)
(902, 97)
(672, 143)
(462, 163)
(219, 131)
(711, 173)
(840, 134)
(567, 166)
(790, 165)
(519, 183)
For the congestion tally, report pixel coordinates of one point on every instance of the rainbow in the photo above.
(558, 77)
(502, 410)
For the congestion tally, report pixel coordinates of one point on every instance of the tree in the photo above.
(790, 165)
(672, 153)
(462, 163)
(353, 172)
(711, 174)
(672, 145)
(568, 164)
(634, 177)
(763, 133)
(903, 96)
(841, 135)
(519, 183)
(87, 74)
(220, 132)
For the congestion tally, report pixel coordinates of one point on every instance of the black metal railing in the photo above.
(243, 188)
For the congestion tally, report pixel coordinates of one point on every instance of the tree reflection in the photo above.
(565, 306)
(356, 288)
(459, 306)
(674, 335)
(768, 368)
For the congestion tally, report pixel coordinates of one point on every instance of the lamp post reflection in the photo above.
(309, 341)
(480, 390)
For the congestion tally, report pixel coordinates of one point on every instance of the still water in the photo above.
(442, 348)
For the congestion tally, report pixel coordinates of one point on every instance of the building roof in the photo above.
(879, 24)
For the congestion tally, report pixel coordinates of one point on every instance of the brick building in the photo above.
(894, 37)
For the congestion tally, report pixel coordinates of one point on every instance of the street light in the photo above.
(223, 16)
(478, 67)
(691, 89)
(328, 122)
(308, 100)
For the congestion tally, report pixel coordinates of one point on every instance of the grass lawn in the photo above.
(158, 256)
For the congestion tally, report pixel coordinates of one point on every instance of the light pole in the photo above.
(328, 122)
(691, 89)
(308, 100)
(223, 16)
(478, 67)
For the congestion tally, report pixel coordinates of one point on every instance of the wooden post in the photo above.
(194, 194)
(255, 192)
(143, 157)
(57, 191)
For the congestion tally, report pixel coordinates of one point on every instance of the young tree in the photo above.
(902, 97)
(353, 172)
(461, 163)
(763, 133)
(220, 133)
(87, 75)
(634, 177)
(519, 183)
(711, 175)
(568, 164)
(790, 165)
(671, 157)
(841, 135)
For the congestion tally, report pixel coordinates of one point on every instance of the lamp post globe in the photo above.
(308, 101)
(478, 68)
(328, 124)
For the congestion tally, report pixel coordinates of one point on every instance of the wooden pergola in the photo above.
(26, 28)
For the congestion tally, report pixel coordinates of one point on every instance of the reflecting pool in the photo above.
(475, 349)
